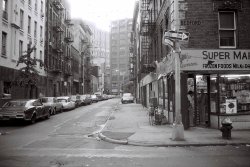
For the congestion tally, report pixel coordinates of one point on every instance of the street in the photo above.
(70, 139)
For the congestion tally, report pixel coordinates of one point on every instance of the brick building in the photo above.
(214, 62)
(58, 39)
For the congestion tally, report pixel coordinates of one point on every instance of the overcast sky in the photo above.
(102, 12)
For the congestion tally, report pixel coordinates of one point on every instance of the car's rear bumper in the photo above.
(13, 116)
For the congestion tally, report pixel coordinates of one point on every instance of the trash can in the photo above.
(226, 128)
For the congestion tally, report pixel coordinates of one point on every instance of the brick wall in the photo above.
(200, 19)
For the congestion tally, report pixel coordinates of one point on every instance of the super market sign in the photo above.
(215, 60)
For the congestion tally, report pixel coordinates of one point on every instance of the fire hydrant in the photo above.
(226, 128)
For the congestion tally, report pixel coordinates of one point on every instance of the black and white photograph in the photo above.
(125, 83)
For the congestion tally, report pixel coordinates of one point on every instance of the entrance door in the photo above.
(202, 100)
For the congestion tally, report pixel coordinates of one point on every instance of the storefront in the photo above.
(217, 86)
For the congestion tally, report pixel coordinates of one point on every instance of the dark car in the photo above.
(28, 110)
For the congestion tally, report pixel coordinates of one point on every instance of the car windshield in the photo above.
(127, 95)
(44, 100)
(62, 100)
(15, 104)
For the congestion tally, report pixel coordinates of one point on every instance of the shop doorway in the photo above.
(202, 100)
(198, 94)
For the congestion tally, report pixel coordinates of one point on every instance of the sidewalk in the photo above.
(129, 125)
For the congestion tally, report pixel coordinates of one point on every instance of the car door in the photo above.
(39, 108)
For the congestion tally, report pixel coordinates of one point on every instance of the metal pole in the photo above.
(178, 129)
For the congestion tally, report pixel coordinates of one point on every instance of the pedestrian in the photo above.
(190, 97)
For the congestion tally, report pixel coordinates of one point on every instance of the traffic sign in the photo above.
(176, 35)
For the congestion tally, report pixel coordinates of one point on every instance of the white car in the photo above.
(67, 103)
(52, 102)
(127, 98)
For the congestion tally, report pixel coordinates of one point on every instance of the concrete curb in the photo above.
(137, 143)
(184, 144)
(105, 138)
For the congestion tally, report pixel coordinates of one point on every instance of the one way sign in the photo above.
(176, 35)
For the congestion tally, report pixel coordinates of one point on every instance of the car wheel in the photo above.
(33, 119)
(48, 115)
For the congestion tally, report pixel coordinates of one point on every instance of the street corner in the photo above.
(115, 137)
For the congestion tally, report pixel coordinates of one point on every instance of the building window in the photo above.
(29, 24)
(21, 19)
(35, 29)
(5, 9)
(41, 32)
(41, 7)
(227, 28)
(6, 90)
(34, 53)
(35, 5)
(41, 58)
(20, 48)
(4, 44)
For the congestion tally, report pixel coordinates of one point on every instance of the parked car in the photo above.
(24, 109)
(67, 103)
(52, 102)
(94, 98)
(127, 98)
(86, 99)
(105, 97)
(76, 99)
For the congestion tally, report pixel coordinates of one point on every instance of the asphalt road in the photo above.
(69, 140)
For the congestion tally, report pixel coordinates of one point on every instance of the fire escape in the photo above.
(56, 41)
(87, 69)
(68, 39)
(146, 30)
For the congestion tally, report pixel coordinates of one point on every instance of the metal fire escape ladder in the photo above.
(146, 30)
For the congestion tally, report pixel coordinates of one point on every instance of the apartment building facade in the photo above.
(214, 62)
(22, 23)
(100, 54)
(82, 42)
(58, 54)
(119, 55)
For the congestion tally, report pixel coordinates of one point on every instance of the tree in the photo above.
(28, 74)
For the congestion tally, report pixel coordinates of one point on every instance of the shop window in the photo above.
(234, 94)
(227, 28)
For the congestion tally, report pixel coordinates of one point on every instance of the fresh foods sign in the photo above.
(215, 60)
